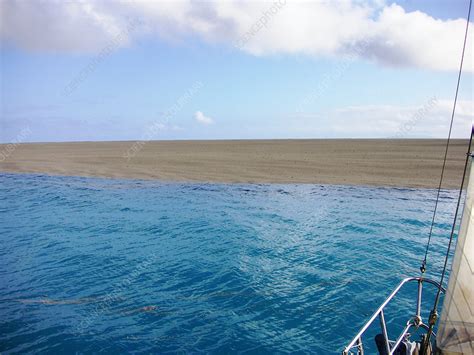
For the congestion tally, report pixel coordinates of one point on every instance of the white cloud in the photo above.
(59, 26)
(369, 29)
(201, 118)
(428, 120)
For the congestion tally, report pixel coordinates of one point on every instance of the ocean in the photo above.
(92, 265)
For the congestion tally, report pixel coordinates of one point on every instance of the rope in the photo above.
(423, 264)
(455, 219)
(434, 312)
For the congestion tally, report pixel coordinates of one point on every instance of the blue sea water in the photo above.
(105, 266)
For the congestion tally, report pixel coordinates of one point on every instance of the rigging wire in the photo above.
(423, 264)
(434, 312)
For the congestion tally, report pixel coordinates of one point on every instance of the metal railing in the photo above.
(414, 322)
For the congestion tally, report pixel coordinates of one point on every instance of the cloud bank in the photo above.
(429, 120)
(387, 34)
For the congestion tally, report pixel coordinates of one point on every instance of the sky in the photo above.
(139, 70)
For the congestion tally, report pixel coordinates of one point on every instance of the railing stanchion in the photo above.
(383, 325)
(360, 347)
(418, 301)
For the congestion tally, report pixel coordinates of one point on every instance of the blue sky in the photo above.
(296, 77)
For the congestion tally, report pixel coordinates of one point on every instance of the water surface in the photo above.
(95, 265)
